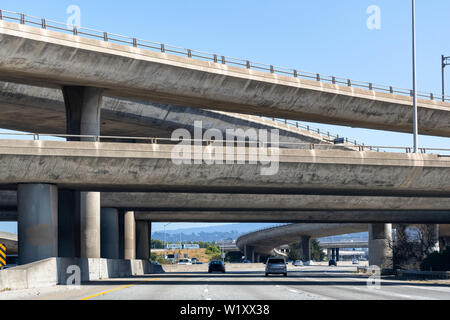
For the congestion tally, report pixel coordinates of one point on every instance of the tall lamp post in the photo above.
(415, 120)
(445, 62)
(164, 243)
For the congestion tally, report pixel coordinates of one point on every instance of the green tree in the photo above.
(157, 244)
(212, 250)
(317, 253)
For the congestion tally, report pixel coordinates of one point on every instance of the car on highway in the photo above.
(276, 266)
(194, 260)
(298, 263)
(216, 265)
(332, 263)
(355, 261)
(184, 262)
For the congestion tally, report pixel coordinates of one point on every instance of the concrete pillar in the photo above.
(142, 240)
(306, 248)
(121, 218)
(380, 245)
(337, 254)
(37, 209)
(83, 108)
(249, 252)
(333, 254)
(129, 235)
(109, 233)
(258, 258)
(90, 225)
(68, 223)
(329, 254)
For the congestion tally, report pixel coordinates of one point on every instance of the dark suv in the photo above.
(216, 265)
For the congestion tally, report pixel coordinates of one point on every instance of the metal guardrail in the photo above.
(326, 135)
(206, 56)
(259, 144)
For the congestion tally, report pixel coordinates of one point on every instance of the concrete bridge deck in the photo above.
(149, 167)
(49, 58)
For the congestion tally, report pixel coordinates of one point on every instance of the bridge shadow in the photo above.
(255, 278)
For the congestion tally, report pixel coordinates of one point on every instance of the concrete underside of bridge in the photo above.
(42, 110)
(53, 59)
(264, 242)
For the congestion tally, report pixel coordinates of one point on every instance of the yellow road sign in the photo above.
(2, 255)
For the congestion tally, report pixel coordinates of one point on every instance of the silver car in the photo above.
(276, 266)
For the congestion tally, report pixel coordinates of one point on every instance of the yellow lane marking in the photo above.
(116, 289)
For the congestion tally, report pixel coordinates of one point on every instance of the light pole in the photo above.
(415, 120)
(164, 242)
(445, 62)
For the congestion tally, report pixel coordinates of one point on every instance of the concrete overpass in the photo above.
(149, 167)
(10, 241)
(54, 59)
(263, 242)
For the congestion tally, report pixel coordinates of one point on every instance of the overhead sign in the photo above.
(2, 255)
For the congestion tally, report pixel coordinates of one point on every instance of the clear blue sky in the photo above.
(328, 36)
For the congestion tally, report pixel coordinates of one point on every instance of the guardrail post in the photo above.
(163, 49)
(333, 80)
(349, 82)
(105, 36)
(411, 93)
(391, 90)
(43, 24)
(215, 58)
(135, 42)
(1, 15)
(22, 18)
(223, 60)
(36, 137)
(189, 53)
(75, 31)
(295, 74)
(431, 96)
(247, 64)
(272, 69)
(318, 77)
(370, 86)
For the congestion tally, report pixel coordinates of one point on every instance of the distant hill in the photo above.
(209, 234)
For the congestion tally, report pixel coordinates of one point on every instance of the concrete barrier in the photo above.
(57, 271)
(204, 267)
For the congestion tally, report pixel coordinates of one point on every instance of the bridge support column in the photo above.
(380, 248)
(333, 254)
(329, 254)
(68, 223)
(83, 106)
(109, 233)
(37, 209)
(129, 235)
(121, 218)
(337, 254)
(249, 253)
(143, 240)
(306, 248)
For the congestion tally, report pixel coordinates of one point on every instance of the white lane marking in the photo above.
(206, 290)
(440, 289)
(293, 291)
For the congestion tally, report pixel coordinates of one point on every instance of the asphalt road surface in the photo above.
(304, 283)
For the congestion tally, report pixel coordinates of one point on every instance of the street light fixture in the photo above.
(415, 120)
(445, 62)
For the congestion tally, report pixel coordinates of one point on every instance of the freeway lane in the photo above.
(308, 283)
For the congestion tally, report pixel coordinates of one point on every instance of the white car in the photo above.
(355, 261)
(298, 263)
